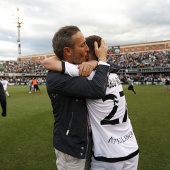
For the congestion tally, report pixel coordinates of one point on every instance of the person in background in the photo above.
(5, 85)
(3, 100)
(30, 85)
(68, 94)
(131, 87)
(35, 85)
(166, 82)
(38, 89)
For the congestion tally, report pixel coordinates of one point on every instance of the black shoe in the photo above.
(4, 114)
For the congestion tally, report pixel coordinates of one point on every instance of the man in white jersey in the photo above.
(115, 146)
(131, 87)
(5, 85)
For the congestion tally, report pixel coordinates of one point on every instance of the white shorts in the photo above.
(5, 88)
(130, 164)
(67, 162)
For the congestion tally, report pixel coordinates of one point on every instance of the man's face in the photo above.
(80, 51)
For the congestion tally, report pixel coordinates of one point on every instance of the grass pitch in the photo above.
(26, 134)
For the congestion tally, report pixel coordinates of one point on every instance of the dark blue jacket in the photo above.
(68, 96)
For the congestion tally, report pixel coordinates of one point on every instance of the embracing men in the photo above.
(115, 145)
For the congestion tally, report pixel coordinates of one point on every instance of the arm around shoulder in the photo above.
(52, 63)
(79, 86)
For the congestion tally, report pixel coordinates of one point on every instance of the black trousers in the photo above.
(3, 105)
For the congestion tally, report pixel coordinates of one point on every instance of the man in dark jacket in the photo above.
(2, 100)
(68, 94)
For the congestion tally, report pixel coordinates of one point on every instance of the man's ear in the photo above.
(67, 51)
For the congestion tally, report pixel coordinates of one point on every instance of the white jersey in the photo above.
(130, 81)
(113, 136)
(5, 84)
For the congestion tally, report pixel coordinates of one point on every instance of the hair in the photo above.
(90, 42)
(63, 38)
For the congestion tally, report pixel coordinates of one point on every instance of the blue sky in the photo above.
(118, 22)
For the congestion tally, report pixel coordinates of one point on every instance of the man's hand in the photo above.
(87, 67)
(101, 52)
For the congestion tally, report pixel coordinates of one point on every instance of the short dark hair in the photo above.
(63, 38)
(90, 43)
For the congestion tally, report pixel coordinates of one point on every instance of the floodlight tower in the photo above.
(18, 17)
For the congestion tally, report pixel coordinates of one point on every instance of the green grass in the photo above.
(26, 134)
(149, 112)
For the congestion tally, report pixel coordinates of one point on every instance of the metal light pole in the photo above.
(18, 17)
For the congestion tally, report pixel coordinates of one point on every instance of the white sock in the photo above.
(7, 93)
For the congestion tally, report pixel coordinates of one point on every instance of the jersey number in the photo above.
(107, 120)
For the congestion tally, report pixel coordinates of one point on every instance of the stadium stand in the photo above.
(144, 67)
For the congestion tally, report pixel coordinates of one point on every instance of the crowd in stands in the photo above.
(141, 60)
(23, 67)
(129, 60)
(155, 59)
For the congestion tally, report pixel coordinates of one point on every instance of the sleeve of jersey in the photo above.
(71, 69)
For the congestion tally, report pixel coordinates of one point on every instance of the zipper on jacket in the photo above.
(88, 134)
(68, 130)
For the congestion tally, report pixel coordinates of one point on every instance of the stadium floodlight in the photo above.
(18, 18)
